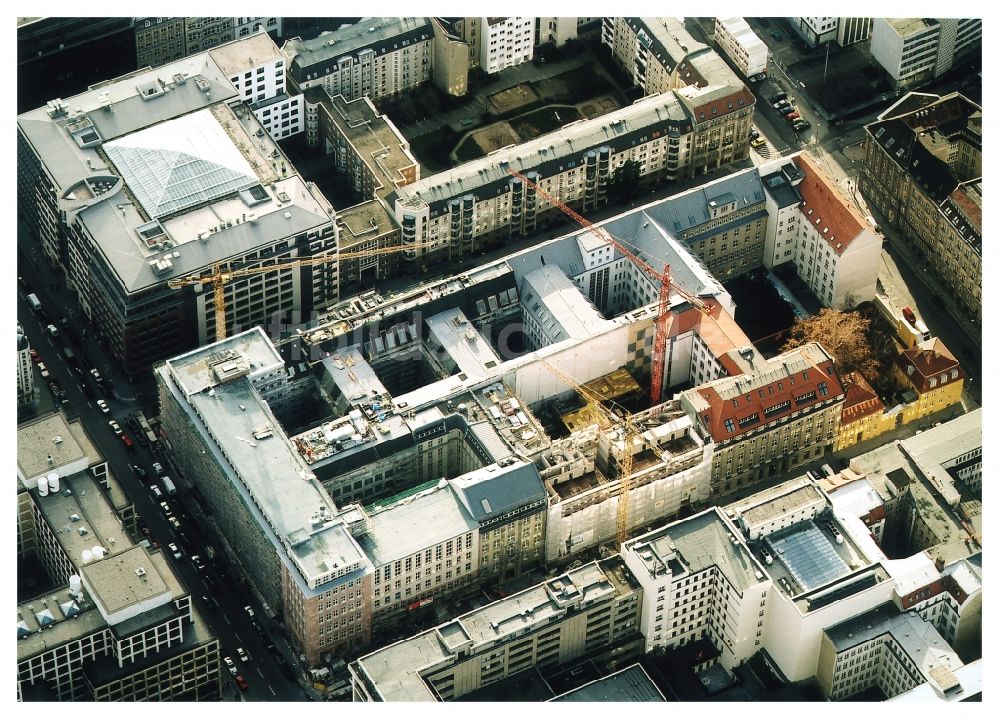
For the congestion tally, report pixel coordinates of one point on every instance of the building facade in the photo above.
(25, 371)
(376, 58)
(915, 51)
(592, 610)
(505, 42)
(742, 45)
(159, 40)
(769, 416)
(923, 171)
(931, 371)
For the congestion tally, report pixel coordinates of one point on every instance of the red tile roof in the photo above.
(717, 329)
(929, 360)
(861, 400)
(789, 391)
(722, 105)
(826, 209)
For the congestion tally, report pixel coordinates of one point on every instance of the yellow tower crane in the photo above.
(219, 278)
(610, 418)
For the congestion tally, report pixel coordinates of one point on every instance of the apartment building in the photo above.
(451, 61)
(505, 42)
(221, 191)
(914, 51)
(256, 68)
(768, 416)
(923, 171)
(931, 371)
(699, 581)
(376, 58)
(742, 45)
(101, 618)
(592, 610)
(475, 205)
(25, 371)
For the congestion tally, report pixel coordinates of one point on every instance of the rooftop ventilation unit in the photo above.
(140, 572)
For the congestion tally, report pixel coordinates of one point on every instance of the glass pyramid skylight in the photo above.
(181, 163)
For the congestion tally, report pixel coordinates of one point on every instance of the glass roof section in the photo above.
(181, 163)
(809, 555)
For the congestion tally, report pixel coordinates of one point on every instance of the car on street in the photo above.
(787, 109)
(754, 133)
(128, 442)
(777, 96)
(157, 469)
(139, 471)
(113, 424)
(241, 681)
(97, 375)
(103, 406)
(780, 104)
(53, 331)
(230, 665)
(242, 655)
(35, 356)
(43, 370)
(157, 493)
(165, 508)
(198, 562)
(175, 522)
(801, 125)
(757, 77)
(174, 550)
(794, 115)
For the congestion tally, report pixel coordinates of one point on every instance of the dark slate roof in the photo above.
(494, 490)
(776, 185)
(629, 685)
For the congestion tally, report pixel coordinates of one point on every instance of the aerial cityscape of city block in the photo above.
(579, 359)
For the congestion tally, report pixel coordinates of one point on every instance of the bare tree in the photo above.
(845, 335)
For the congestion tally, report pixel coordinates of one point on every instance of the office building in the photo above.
(590, 610)
(375, 58)
(699, 581)
(923, 171)
(816, 30)
(767, 416)
(160, 175)
(505, 42)
(159, 40)
(851, 30)
(25, 371)
(915, 51)
(889, 650)
(632, 684)
(747, 51)
(99, 616)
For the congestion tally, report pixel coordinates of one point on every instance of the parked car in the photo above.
(758, 142)
(241, 681)
(243, 655)
(157, 493)
(198, 562)
(754, 133)
(778, 96)
(140, 471)
(794, 115)
(174, 550)
(127, 441)
(786, 110)
(115, 427)
(801, 125)
(103, 406)
(44, 371)
(53, 331)
(230, 665)
(757, 77)
(175, 522)
(165, 508)
(780, 104)
(35, 356)
(157, 469)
